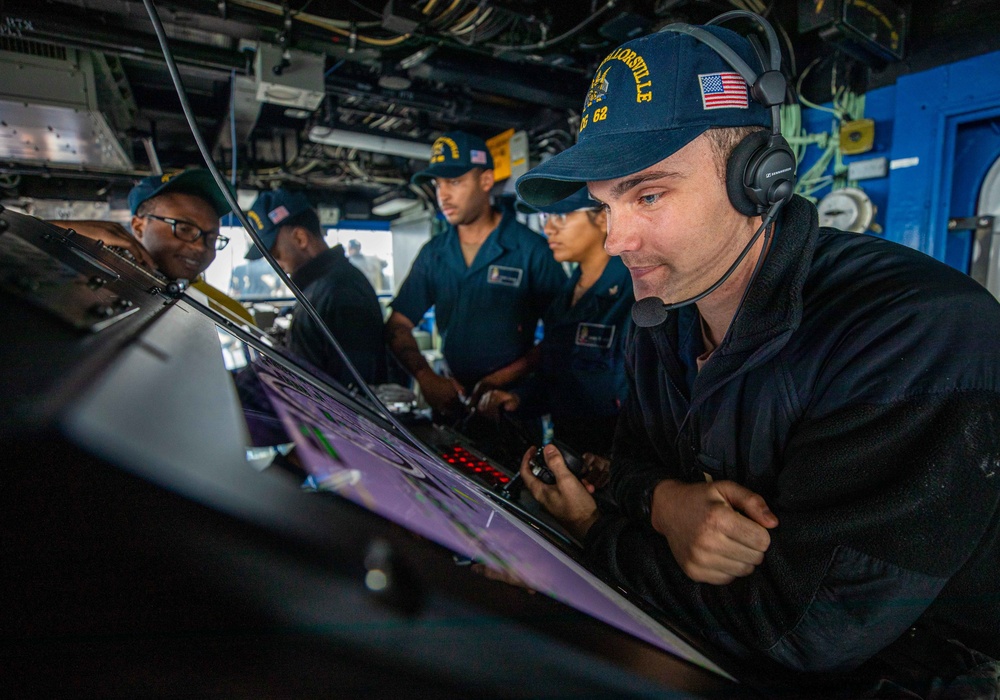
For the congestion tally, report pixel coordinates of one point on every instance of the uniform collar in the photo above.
(772, 310)
(614, 281)
(500, 240)
(773, 306)
(614, 284)
(318, 266)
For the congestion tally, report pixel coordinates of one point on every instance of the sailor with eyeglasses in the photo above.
(175, 231)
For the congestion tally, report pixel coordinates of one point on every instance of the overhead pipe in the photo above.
(447, 108)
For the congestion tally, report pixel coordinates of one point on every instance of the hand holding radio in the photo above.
(565, 496)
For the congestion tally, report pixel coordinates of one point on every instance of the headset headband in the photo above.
(769, 87)
(772, 38)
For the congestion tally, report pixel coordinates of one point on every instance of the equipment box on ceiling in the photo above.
(873, 31)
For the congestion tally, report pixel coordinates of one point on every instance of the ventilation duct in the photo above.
(63, 107)
(289, 78)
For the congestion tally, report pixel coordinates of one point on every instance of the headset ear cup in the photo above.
(736, 170)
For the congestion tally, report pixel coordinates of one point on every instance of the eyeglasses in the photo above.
(559, 220)
(186, 231)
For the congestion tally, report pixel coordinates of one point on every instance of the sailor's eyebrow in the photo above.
(626, 185)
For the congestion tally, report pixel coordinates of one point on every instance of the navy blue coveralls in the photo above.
(582, 376)
(486, 312)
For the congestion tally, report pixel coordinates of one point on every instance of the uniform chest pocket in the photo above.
(592, 360)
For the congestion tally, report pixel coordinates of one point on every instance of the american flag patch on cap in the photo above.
(478, 157)
(277, 215)
(719, 90)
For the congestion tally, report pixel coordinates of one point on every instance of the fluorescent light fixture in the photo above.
(394, 202)
(295, 113)
(370, 142)
(394, 81)
(415, 59)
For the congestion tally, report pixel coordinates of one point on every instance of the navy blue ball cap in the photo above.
(195, 181)
(649, 98)
(580, 199)
(269, 212)
(453, 155)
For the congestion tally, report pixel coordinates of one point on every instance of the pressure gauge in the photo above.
(848, 209)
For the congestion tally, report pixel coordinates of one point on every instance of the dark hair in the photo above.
(146, 206)
(308, 219)
(724, 140)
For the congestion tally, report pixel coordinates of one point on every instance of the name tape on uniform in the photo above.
(594, 335)
(505, 276)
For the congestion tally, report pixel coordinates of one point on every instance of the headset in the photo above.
(761, 169)
(760, 172)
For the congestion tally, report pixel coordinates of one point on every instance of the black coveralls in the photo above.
(858, 392)
(345, 300)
